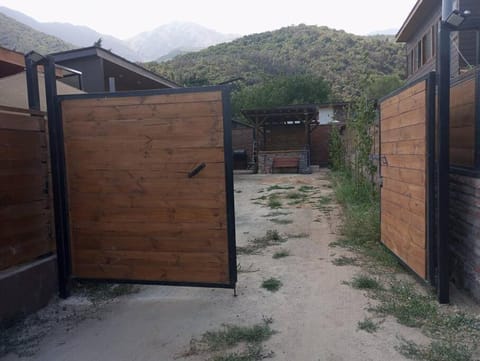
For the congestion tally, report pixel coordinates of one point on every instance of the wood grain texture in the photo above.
(403, 195)
(462, 123)
(134, 213)
(25, 211)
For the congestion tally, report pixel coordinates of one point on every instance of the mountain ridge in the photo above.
(342, 59)
(149, 45)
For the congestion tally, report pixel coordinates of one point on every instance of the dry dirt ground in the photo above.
(315, 315)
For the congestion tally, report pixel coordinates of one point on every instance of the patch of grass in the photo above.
(272, 284)
(408, 306)
(277, 187)
(367, 325)
(281, 254)
(324, 200)
(248, 339)
(306, 189)
(254, 352)
(298, 235)
(277, 214)
(436, 351)
(271, 238)
(344, 261)
(281, 221)
(364, 282)
(274, 201)
(455, 334)
(295, 195)
(262, 198)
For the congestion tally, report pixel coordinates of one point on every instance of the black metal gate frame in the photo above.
(436, 246)
(59, 175)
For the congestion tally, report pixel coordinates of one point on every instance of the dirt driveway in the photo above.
(314, 314)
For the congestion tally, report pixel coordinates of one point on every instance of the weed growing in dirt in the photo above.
(364, 282)
(344, 261)
(281, 221)
(436, 351)
(408, 306)
(455, 335)
(367, 325)
(277, 187)
(298, 235)
(324, 200)
(274, 201)
(306, 189)
(276, 214)
(271, 238)
(272, 284)
(295, 195)
(248, 338)
(281, 254)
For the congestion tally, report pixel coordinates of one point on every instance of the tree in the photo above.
(383, 85)
(281, 91)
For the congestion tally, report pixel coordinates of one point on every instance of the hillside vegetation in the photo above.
(20, 37)
(343, 60)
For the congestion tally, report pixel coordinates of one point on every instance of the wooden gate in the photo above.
(150, 186)
(407, 141)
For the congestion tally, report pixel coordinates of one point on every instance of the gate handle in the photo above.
(196, 170)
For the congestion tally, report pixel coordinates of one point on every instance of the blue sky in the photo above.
(124, 19)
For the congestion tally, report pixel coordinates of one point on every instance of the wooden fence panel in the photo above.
(134, 212)
(25, 211)
(462, 121)
(404, 199)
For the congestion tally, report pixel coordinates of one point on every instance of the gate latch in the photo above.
(381, 158)
(196, 170)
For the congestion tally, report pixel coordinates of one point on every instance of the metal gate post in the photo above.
(60, 197)
(443, 167)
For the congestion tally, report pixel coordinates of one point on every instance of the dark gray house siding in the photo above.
(420, 33)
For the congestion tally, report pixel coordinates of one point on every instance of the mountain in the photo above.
(164, 42)
(176, 37)
(20, 37)
(80, 36)
(344, 60)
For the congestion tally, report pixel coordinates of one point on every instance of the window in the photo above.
(427, 47)
(412, 70)
(419, 55)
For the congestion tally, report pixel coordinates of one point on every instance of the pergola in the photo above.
(283, 128)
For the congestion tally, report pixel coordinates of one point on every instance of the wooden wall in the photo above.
(403, 195)
(462, 121)
(134, 213)
(281, 137)
(25, 212)
(320, 137)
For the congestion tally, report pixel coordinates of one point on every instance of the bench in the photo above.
(286, 162)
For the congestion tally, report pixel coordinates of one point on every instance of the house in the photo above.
(104, 71)
(420, 34)
(13, 83)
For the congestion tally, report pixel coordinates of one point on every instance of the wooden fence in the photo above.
(463, 115)
(25, 207)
